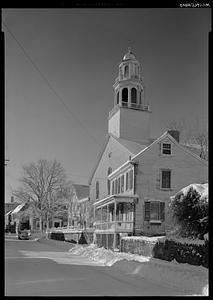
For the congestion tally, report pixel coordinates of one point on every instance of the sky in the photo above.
(60, 67)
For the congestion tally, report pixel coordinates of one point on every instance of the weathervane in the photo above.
(129, 47)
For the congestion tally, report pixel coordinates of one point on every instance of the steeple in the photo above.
(129, 90)
(129, 100)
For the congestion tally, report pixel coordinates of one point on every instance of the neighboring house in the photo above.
(26, 211)
(78, 207)
(8, 208)
(134, 177)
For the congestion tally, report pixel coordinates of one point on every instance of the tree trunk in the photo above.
(40, 224)
(47, 221)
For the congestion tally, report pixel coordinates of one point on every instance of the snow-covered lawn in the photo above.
(192, 279)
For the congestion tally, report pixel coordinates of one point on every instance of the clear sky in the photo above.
(78, 52)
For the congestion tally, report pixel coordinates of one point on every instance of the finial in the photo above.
(129, 49)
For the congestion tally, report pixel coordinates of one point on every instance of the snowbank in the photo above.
(192, 279)
(202, 189)
(152, 239)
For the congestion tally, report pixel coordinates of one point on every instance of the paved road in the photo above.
(34, 268)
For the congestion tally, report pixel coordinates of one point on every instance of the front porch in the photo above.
(114, 216)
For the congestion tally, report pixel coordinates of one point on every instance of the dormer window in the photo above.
(166, 148)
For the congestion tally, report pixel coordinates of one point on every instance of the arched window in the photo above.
(133, 95)
(126, 71)
(108, 181)
(125, 95)
(97, 189)
(118, 97)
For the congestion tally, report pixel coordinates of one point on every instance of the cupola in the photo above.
(130, 105)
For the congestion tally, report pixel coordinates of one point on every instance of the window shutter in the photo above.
(147, 211)
(162, 211)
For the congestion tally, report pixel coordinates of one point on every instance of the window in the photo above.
(133, 95)
(108, 181)
(126, 71)
(166, 149)
(119, 185)
(154, 211)
(116, 186)
(113, 188)
(124, 95)
(122, 183)
(97, 189)
(130, 179)
(127, 181)
(165, 179)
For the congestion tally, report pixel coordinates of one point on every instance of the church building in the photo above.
(135, 175)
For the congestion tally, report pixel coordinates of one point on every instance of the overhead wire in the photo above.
(51, 88)
(49, 84)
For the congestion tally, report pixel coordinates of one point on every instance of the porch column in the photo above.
(101, 216)
(115, 208)
(114, 238)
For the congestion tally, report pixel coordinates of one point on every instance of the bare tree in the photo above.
(192, 135)
(41, 183)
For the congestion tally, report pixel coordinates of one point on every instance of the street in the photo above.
(46, 268)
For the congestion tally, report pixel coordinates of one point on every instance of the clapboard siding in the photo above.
(185, 169)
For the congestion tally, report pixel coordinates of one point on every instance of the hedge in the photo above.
(57, 236)
(193, 254)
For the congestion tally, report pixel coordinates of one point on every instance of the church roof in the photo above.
(133, 147)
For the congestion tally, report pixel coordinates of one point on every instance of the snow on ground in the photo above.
(150, 239)
(189, 278)
(202, 189)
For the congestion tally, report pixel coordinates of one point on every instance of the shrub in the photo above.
(194, 254)
(57, 236)
(191, 214)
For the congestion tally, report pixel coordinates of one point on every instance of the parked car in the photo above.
(24, 234)
(24, 231)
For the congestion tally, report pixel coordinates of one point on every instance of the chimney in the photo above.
(175, 134)
(12, 199)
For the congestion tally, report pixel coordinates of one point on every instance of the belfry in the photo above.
(130, 117)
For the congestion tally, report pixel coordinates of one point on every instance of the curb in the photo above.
(59, 244)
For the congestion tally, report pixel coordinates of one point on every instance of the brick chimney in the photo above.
(175, 134)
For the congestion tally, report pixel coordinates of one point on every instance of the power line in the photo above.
(49, 84)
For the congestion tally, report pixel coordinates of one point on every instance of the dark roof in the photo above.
(133, 147)
(82, 191)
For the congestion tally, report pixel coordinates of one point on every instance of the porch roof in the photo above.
(116, 199)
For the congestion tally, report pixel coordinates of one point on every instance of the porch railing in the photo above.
(129, 105)
(115, 225)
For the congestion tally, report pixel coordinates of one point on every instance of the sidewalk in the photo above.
(66, 246)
